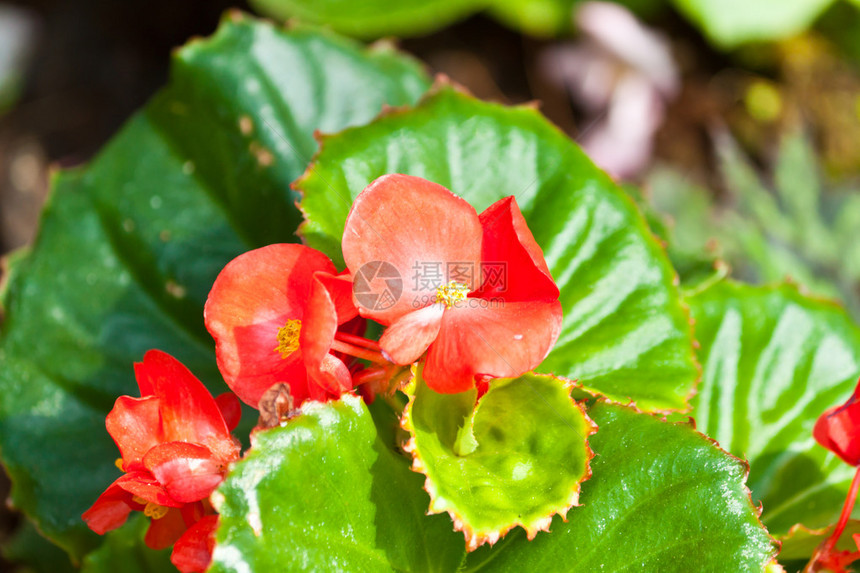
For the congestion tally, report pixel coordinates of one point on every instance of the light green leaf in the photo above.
(327, 493)
(625, 333)
(374, 18)
(773, 361)
(662, 498)
(547, 18)
(730, 23)
(129, 246)
(526, 453)
(124, 550)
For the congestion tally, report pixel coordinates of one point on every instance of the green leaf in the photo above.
(730, 23)
(526, 453)
(801, 542)
(773, 361)
(124, 550)
(29, 552)
(129, 246)
(547, 18)
(373, 18)
(625, 333)
(662, 498)
(324, 493)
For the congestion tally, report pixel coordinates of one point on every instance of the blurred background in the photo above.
(735, 124)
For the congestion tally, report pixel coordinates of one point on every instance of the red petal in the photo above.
(193, 551)
(135, 426)
(231, 409)
(339, 289)
(164, 532)
(333, 377)
(188, 411)
(110, 510)
(254, 296)
(397, 226)
(838, 429)
(409, 336)
(187, 471)
(319, 325)
(262, 367)
(501, 340)
(512, 261)
(144, 381)
(144, 485)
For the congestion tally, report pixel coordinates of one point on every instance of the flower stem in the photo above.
(357, 341)
(846, 513)
(374, 356)
(824, 555)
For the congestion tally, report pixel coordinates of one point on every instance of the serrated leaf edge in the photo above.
(757, 509)
(475, 539)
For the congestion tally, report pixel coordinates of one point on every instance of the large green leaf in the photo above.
(129, 246)
(517, 458)
(555, 17)
(328, 493)
(124, 550)
(774, 360)
(662, 498)
(729, 23)
(374, 18)
(625, 333)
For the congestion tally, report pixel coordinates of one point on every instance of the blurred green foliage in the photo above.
(727, 24)
(792, 223)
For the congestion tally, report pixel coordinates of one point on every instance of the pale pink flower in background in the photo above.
(623, 76)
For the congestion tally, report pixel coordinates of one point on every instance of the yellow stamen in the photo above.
(154, 510)
(138, 499)
(288, 337)
(118, 463)
(452, 293)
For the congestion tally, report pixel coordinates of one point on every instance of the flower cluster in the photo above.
(489, 309)
(469, 294)
(175, 445)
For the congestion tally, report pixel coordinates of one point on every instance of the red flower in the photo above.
(838, 429)
(175, 444)
(274, 312)
(476, 292)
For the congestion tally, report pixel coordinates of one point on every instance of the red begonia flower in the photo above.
(273, 313)
(838, 429)
(175, 445)
(476, 292)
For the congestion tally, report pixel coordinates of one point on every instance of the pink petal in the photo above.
(187, 471)
(192, 552)
(513, 263)
(400, 232)
(135, 426)
(409, 336)
(254, 296)
(482, 338)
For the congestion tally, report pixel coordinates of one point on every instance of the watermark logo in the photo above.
(428, 276)
(377, 285)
